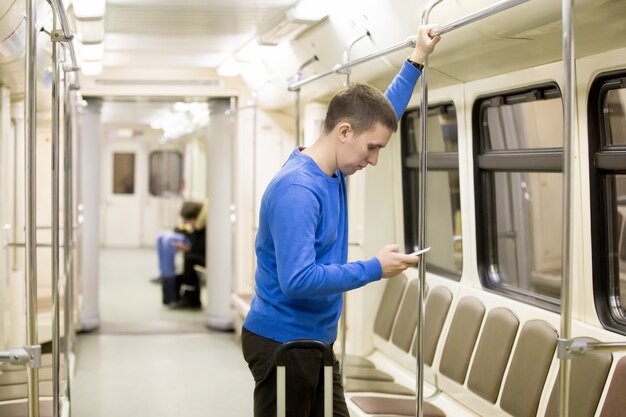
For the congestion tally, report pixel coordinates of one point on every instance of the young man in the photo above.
(302, 242)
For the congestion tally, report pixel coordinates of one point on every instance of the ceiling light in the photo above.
(89, 8)
(230, 68)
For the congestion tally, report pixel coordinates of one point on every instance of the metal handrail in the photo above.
(30, 136)
(59, 11)
(348, 50)
(340, 69)
(421, 226)
(569, 126)
(411, 40)
(476, 16)
(68, 229)
(55, 187)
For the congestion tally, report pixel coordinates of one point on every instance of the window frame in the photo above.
(605, 162)
(437, 161)
(487, 162)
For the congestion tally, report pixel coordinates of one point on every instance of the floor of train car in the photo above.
(146, 360)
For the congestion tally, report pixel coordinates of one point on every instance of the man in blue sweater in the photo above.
(302, 242)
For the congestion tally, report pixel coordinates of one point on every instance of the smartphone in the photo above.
(419, 252)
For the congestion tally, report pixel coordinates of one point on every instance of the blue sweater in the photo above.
(302, 245)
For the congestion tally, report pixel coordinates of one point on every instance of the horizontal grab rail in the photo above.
(476, 16)
(23, 245)
(410, 41)
(341, 68)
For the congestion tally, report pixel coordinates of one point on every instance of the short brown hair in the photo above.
(190, 210)
(362, 106)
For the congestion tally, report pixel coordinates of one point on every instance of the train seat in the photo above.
(492, 353)
(588, 377)
(461, 340)
(20, 408)
(13, 380)
(615, 401)
(385, 317)
(370, 374)
(524, 384)
(395, 406)
(403, 335)
(457, 351)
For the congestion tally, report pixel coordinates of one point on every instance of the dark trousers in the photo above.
(305, 379)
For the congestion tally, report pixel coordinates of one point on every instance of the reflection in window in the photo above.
(519, 188)
(529, 231)
(618, 283)
(443, 206)
(123, 173)
(166, 173)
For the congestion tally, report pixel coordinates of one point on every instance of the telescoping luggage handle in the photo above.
(281, 359)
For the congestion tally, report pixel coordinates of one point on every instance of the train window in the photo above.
(615, 106)
(518, 150)
(443, 210)
(166, 173)
(123, 173)
(607, 135)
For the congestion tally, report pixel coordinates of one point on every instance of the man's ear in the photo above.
(344, 130)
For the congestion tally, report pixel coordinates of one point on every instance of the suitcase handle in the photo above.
(281, 378)
(327, 353)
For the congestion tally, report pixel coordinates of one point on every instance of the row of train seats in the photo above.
(14, 389)
(483, 355)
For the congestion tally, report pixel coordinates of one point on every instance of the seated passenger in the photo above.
(195, 254)
(168, 243)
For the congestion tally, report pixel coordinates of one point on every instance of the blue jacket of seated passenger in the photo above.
(299, 286)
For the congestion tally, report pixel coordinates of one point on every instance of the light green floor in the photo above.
(147, 361)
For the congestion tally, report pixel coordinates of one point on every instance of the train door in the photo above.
(124, 169)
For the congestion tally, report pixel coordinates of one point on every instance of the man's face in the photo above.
(358, 151)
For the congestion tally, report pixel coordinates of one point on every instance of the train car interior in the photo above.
(509, 162)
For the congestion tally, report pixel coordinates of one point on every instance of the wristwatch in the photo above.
(415, 64)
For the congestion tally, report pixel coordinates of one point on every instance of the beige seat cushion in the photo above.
(435, 313)
(389, 304)
(588, 376)
(492, 354)
(370, 374)
(406, 320)
(20, 391)
(20, 409)
(468, 317)
(353, 360)
(615, 401)
(529, 367)
(394, 406)
(383, 387)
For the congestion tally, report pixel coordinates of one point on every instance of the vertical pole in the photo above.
(421, 241)
(30, 124)
(569, 120)
(56, 116)
(297, 104)
(68, 228)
